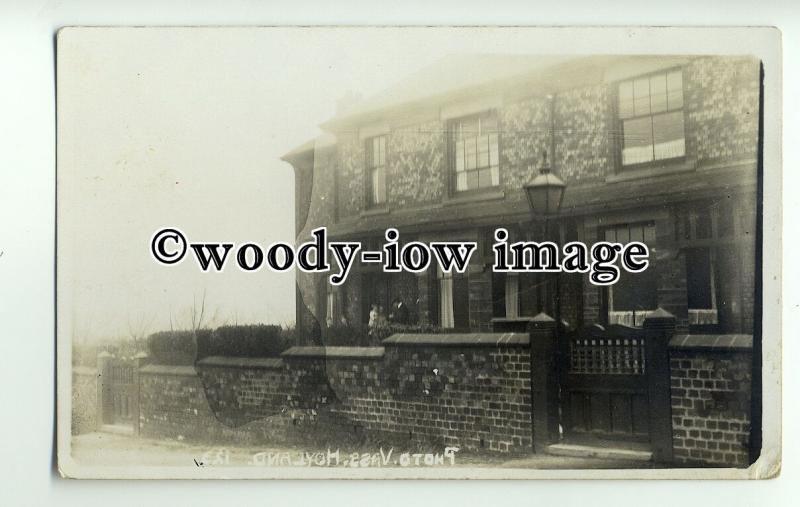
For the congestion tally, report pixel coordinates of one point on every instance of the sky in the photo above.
(185, 128)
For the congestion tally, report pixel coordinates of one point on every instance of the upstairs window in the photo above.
(376, 171)
(651, 116)
(474, 146)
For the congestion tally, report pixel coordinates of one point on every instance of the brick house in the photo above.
(657, 149)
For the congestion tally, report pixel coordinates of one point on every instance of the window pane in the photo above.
(376, 186)
(472, 179)
(650, 235)
(698, 278)
(468, 128)
(461, 181)
(635, 291)
(446, 302)
(483, 151)
(376, 152)
(495, 175)
(641, 96)
(471, 155)
(611, 235)
(626, 99)
(494, 158)
(675, 90)
(658, 93)
(668, 135)
(460, 156)
(382, 148)
(637, 233)
(485, 178)
(637, 141)
(623, 234)
(512, 296)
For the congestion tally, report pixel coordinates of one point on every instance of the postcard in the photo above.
(418, 252)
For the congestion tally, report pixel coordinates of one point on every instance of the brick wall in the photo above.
(349, 163)
(472, 391)
(583, 126)
(524, 135)
(85, 408)
(473, 397)
(711, 383)
(419, 390)
(172, 403)
(721, 100)
(416, 164)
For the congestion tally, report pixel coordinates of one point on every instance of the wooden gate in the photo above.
(604, 384)
(120, 391)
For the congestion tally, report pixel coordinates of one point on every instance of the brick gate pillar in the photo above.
(659, 327)
(544, 381)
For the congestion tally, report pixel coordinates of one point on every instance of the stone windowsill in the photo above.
(168, 369)
(334, 352)
(650, 172)
(459, 339)
(717, 342)
(242, 362)
(377, 211)
(489, 195)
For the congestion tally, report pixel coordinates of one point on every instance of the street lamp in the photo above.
(545, 194)
(546, 191)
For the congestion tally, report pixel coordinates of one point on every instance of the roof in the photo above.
(447, 75)
(322, 141)
(450, 74)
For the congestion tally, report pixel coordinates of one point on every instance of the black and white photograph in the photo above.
(442, 252)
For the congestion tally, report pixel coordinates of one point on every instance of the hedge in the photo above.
(256, 340)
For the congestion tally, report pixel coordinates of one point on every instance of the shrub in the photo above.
(257, 340)
(175, 347)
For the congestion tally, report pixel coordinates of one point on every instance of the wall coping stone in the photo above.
(242, 362)
(459, 339)
(720, 342)
(334, 352)
(168, 369)
(84, 370)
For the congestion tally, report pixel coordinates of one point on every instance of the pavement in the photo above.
(114, 449)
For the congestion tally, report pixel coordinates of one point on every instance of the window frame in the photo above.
(690, 240)
(618, 122)
(636, 317)
(452, 173)
(369, 202)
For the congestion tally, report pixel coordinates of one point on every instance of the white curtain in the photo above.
(512, 296)
(446, 300)
(333, 306)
